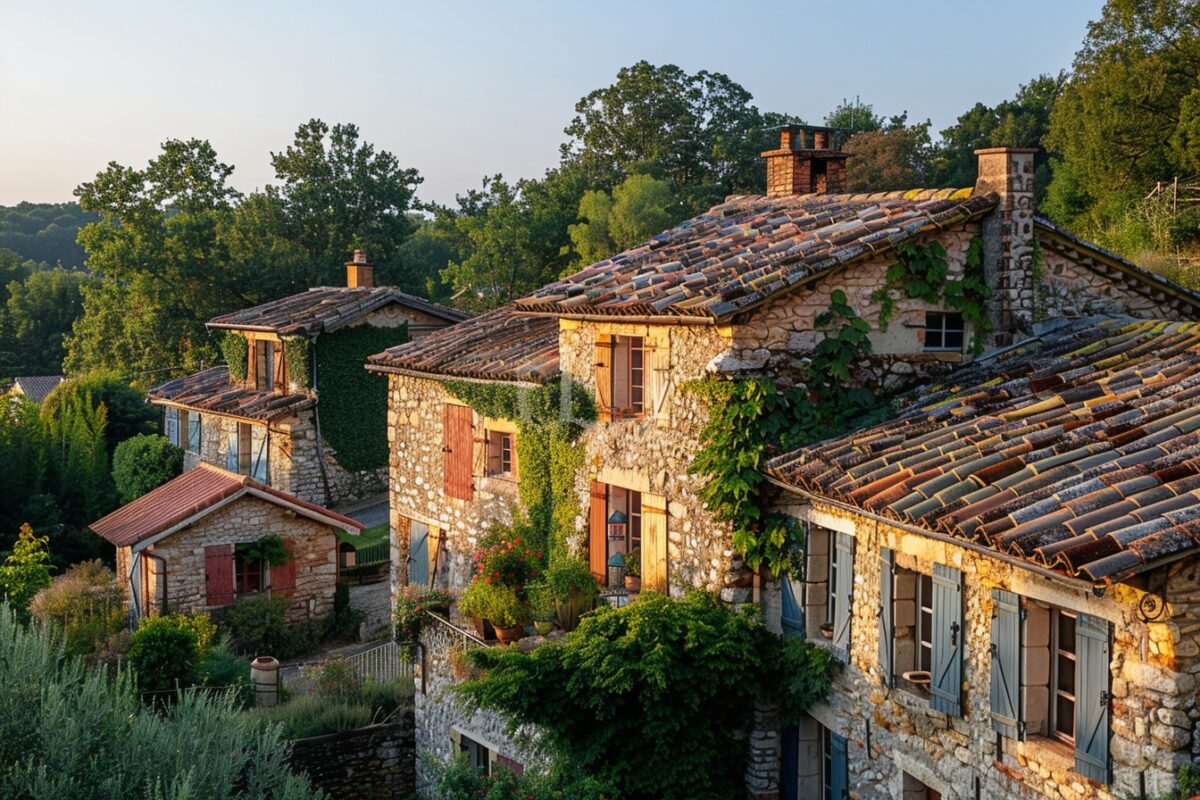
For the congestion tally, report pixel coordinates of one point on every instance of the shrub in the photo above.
(384, 697)
(143, 463)
(570, 578)
(508, 562)
(473, 603)
(411, 605)
(458, 780)
(162, 652)
(256, 625)
(220, 666)
(26, 570)
(335, 679)
(311, 715)
(503, 607)
(85, 605)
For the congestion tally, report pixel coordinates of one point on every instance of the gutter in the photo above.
(617, 319)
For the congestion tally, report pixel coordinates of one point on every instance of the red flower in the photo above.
(487, 580)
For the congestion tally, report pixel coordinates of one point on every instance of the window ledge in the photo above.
(498, 484)
(1045, 751)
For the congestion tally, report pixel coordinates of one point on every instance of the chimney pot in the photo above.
(359, 272)
(360, 257)
(796, 168)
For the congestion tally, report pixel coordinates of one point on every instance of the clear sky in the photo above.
(459, 90)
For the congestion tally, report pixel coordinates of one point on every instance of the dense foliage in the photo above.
(353, 404)
(235, 352)
(85, 606)
(163, 652)
(38, 310)
(67, 730)
(25, 571)
(458, 780)
(44, 232)
(143, 463)
(655, 697)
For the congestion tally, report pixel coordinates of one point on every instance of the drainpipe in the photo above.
(317, 423)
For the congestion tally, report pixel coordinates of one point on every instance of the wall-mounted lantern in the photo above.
(617, 523)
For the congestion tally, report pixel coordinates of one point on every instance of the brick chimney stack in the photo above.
(805, 163)
(1008, 240)
(359, 272)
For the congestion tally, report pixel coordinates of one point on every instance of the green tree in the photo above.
(162, 652)
(638, 208)
(853, 117)
(41, 310)
(435, 244)
(144, 463)
(44, 232)
(893, 158)
(26, 570)
(128, 413)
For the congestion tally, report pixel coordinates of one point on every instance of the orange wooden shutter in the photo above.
(283, 577)
(604, 359)
(457, 446)
(597, 532)
(654, 542)
(280, 378)
(218, 574)
(251, 363)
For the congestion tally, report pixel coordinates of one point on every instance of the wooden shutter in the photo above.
(842, 611)
(171, 423)
(597, 525)
(231, 446)
(283, 577)
(1006, 663)
(792, 616)
(946, 683)
(194, 422)
(1092, 697)
(887, 626)
(839, 777)
(251, 362)
(280, 378)
(604, 359)
(658, 371)
(436, 545)
(457, 445)
(259, 450)
(654, 542)
(218, 574)
(418, 554)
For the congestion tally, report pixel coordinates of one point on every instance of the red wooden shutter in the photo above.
(218, 574)
(457, 445)
(283, 577)
(597, 530)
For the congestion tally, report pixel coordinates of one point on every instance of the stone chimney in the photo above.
(805, 163)
(359, 272)
(1008, 240)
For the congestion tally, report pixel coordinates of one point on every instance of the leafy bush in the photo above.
(335, 679)
(458, 780)
(473, 603)
(569, 578)
(310, 715)
(26, 570)
(503, 607)
(235, 350)
(85, 605)
(508, 561)
(143, 463)
(411, 605)
(257, 627)
(162, 652)
(384, 697)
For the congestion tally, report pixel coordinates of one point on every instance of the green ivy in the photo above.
(235, 350)
(547, 453)
(353, 404)
(269, 548)
(297, 354)
(921, 271)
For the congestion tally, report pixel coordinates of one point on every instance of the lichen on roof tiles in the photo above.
(325, 309)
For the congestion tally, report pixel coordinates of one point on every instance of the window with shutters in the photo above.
(621, 376)
(233, 441)
(263, 354)
(912, 629)
(829, 587)
(458, 445)
(633, 524)
(1062, 678)
(247, 573)
(171, 425)
(500, 454)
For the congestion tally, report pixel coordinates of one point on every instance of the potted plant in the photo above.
(827, 630)
(574, 589)
(506, 612)
(541, 608)
(473, 605)
(438, 601)
(633, 570)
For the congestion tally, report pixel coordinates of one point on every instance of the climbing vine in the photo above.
(921, 271)
(547, 452)
(235, 349)
(269, 548)
(297, 354)
(353, 405)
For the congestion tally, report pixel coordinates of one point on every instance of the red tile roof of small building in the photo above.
(194, 493)
(211, 391)
(749, 249)
(498, 345)
(1079, 453)
(326, 309)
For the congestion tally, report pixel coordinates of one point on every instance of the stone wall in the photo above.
(439, 711)
(1153, 668)
(363, 764)
(246, 520)
(1065, 288)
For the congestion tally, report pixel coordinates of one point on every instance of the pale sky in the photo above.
(460, 90)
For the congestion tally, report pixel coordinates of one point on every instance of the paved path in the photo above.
(370, 512)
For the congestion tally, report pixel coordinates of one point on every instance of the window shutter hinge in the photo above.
(1024, 612)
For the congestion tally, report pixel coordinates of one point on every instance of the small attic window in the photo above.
(943, 331)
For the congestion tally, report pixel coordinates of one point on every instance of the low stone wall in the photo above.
(367, 763)
(374, 602)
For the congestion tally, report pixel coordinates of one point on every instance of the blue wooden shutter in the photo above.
(1092, 698)
(193, 443)
(839, 778)
(792, 615)
(231, 456)
(1006, 663)
(946, 685)
(886, 618)
(844, 544)
(789, 760)
(418, 554)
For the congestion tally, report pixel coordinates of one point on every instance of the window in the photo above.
(943, 331)
(193, 433)
(477, 754)
(921, 630)
(245, 448)
(264, 365)
(233, 441)
(1062, 647)
(829, 587)
(258, 452)
(247, 574)
(643, 528)
(912, 629)
(621, 376)
(813, 764)
(500, 454)
(171, 425)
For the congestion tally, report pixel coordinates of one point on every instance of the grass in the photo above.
(317, 714)
(369, 537)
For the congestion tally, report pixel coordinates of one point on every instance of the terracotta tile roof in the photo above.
(194, 493)
(1080, 453)
(748, 249)
(499, 345)
(325, 309)
(37, 388)
(211, 391)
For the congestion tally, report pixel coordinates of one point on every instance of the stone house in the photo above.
(290, 411)
(735, 292)
(1010, 572)
(183, 546)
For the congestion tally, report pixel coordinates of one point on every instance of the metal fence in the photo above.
(384, 662)
(368, 556)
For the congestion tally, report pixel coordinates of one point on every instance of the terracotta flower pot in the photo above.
(484, 629)
(827, 631)
(633, 583)
(509, 635)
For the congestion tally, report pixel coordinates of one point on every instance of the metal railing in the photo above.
(367, 556)
(385, 662)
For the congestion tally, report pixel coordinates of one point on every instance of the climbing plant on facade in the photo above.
(234, 348)
(297, 353)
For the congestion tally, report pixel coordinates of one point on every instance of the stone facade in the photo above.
(895, 738)
(362, 764)
(1065, 288)
(177, 568)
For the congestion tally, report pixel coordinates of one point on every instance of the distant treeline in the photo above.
(44, 232)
